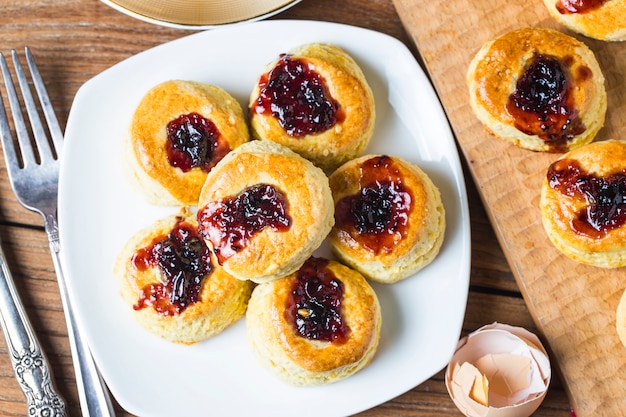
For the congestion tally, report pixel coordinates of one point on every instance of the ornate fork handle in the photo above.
(29, 362)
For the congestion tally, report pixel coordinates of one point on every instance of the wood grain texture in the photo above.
(74, 40)
(573, 305)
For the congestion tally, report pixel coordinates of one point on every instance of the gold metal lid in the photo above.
(195, 14)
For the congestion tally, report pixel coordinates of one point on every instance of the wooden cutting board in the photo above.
(573, 305)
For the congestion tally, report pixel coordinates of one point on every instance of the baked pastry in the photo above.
(389, 217)
(599, 19)
(264, 209)
(315, 100)
(620, 319)
(179, 131)
(317, 326)
(164, 272)
(538, 89)
(583, 204)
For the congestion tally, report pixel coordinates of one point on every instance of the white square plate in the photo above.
(98, 212)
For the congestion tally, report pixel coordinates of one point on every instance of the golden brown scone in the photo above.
(620, 319)
(538, 89)
(182, 304)
(599, 19)
(583, 204)
(290, 334)
(264, 209)
(179, 131)
(389, 217)
(329, 119)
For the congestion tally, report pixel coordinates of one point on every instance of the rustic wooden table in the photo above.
(76, 39)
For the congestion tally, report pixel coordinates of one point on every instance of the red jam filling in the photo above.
(298, 98)
(543, 104)
(578, 6)
(230, 223)
(377, 216)
(184, 261)
(605, 197)
(315, 303)
(194, 142)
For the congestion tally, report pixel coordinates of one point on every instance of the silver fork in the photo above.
(35, 183)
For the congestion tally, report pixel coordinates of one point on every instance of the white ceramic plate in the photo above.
(98, 212)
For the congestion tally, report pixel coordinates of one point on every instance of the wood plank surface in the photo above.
(573, 305)
(73, 41)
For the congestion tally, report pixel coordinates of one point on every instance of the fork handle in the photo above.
(30, 364)
(93, 394)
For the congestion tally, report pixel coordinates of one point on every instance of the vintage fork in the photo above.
(35, 183)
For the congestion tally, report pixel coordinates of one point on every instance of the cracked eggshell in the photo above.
(498, 371)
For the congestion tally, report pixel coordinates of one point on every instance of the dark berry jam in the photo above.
(315, 303)
(228, 224)
(578, 6)
(297, 97)
(605, 197)
(184, 261)
(194, 142)
(543, 104)
(377, 216)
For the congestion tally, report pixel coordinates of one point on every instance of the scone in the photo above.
(389, 217)
(620, 319)
(599, 19)
(179, 131)
(315, 100)
(264, 209)
(583, 204)
(539, 89)
(316, 326)
(165, 275)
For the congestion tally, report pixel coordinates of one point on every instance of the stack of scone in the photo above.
(265, 206)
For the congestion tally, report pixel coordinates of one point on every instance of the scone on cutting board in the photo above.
(315, 100)
(389, 217)
(600, 19)
(263, 210)
(173, 290)
(583, 204)
(319, 325)
(538, 89)
(179, 131)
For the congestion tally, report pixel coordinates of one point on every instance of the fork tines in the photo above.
(46, 147)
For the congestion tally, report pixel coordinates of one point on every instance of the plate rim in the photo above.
(202, 26)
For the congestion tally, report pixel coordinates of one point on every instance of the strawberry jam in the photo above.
(377, 216)
(315, 303)
(578, 6)
(543, 104)
(605, 197)
(229, 223)
(184, 262)
(194, 142)
(298, 98)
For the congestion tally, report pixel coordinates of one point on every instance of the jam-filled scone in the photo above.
(264, 209)
(389, 217)
(539, 89)
(179, 131)
(583, 204)
(315, 100)
(317, 326)
(166, 276)
(599, 19)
